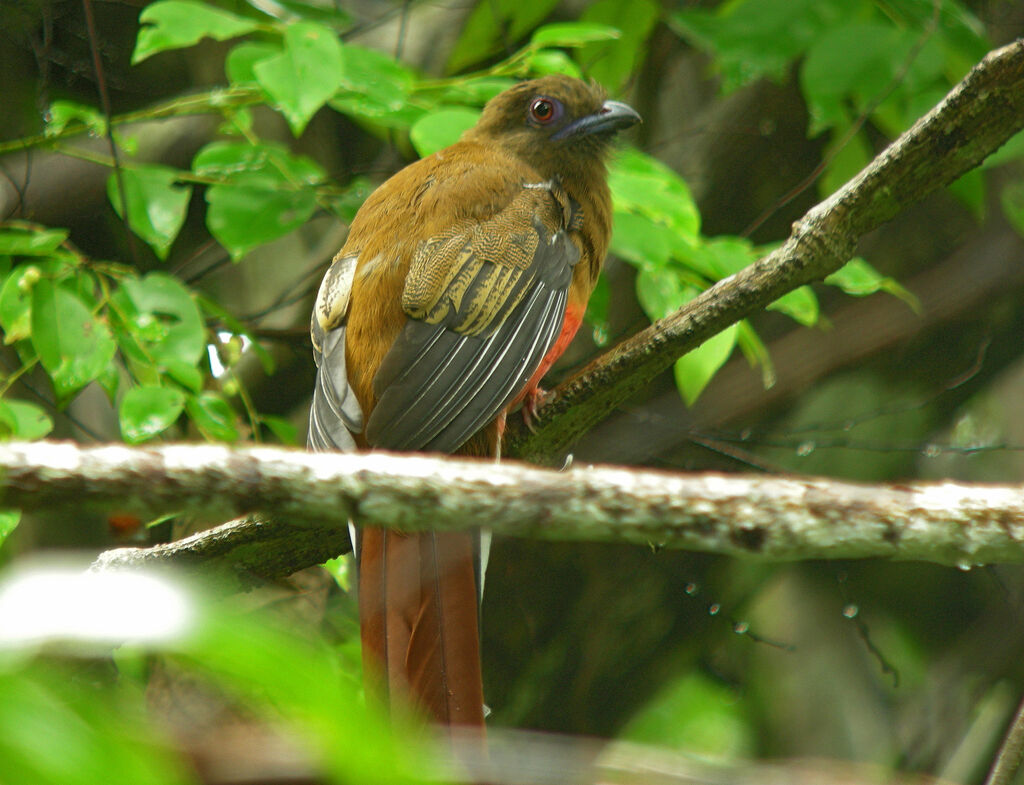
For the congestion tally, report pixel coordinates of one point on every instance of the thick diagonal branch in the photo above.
(978, 116)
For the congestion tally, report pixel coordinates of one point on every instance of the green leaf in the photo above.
(231, 159)
(30, 240)
(8, 523)
(377, 89)
(23, 420)
(372, 73)
(304, 75)
(61, 114)
(347, 203)
(612, 62)
(642, 184)
(16, 303)
(853, 61)
(662, 291)
(480, 90)
(162, 320)
(149, 410)
(801, 305)
(174, 24)
(570, 34)
(156, 204)
(858, 278)
(694, 370)
(1011, 199)
(492, 25)
(639, 240)
(760, 38)
(267, 193)
(242, 58)
(756, 352)
(72, 344)
(697, 715)
(213, 416)
(188, 376)
(442, 128)
(719, 257)
(285, 432)
(553, 61)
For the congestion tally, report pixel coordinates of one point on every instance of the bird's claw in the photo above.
(532, 401)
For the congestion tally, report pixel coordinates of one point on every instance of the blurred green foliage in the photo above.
(67, 717)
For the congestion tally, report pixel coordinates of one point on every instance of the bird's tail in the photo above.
(418, 610)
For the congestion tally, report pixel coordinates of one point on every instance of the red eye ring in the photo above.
(543, 110)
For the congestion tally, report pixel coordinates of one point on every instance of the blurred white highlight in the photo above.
(55, 603)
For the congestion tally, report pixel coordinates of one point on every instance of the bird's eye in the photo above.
(544, 110)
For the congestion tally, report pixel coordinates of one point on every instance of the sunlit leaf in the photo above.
(759, 38)
(479, 90)
(8, 523)
(696, 715)
(492, 25)
(285, 432)
(23, 420)
(858, 278)
(305, 74)
(156, 203)
(801, 305)
(147, 411)
(16, 303)
(61, 114)
(639, 240)
(30, 241)
(553, 61)
(239, 63)
(694, 370)
(442, 128)
(571, 34)
(73, 345)
(266, 193)
(213, 416)
(1011, 199)
(163, 320)
(612, 62)
(174, 24)
(642, 184)
(372, 73)
(662, 291)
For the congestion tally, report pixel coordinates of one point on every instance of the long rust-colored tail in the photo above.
(418, 611)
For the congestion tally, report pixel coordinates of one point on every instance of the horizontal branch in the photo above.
(977, 117)
(305, 494)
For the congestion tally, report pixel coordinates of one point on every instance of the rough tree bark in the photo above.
(310, 498)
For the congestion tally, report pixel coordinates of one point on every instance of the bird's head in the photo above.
(546, 120)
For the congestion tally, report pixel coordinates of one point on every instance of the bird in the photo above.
(463, 277)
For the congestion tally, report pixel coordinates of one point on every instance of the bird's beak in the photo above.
(614, 116)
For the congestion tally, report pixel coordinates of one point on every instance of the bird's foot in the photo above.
(532, 401)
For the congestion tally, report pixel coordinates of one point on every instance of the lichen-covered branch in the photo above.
(979, 115)
(309, 498)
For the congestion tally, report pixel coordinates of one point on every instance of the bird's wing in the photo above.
(335, 413)
(485, 301)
